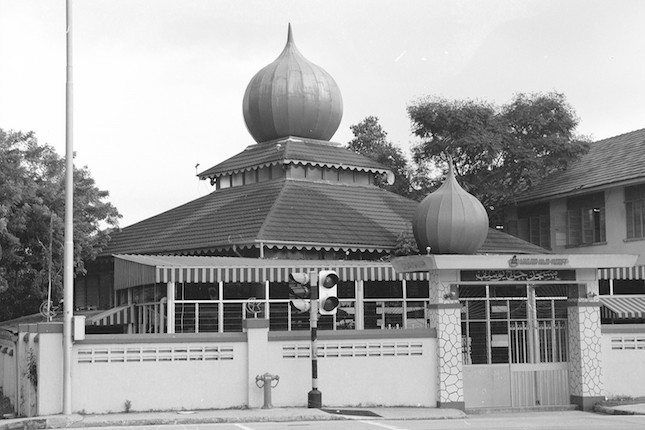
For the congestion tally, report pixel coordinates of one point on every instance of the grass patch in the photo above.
(622, 400)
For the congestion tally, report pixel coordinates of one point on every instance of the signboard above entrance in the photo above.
(518, 275)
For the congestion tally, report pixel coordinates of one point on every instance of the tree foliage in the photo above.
(32, 206)
(498, 152)
(371, 141)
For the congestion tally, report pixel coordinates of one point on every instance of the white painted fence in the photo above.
(112, 373)
(623, 355)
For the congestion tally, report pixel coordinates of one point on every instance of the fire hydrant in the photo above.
(266, 381)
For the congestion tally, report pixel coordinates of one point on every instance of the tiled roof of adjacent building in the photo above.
(286, 213)
(293, 150)
(609, 162)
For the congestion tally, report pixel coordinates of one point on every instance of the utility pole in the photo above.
(68, 264)
(314, 397)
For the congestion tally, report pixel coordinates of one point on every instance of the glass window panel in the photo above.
(499, 341)
(184, 317)
(208, 317)
(467, 291)
(499, 309)
(346, 315)
(543, 308)
(383, 289)
(478, 340)
(417, 289)
(475, 309)
(508, 290)
(279, 316)
(279, 290)
(299, 320)
(233, 317)
(243, 290)
(346, 290)
(517, 309)
(392, 312)
(551, 291)
(325, 322)
(416, 316)
(561, 309)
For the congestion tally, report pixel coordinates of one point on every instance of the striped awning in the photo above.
(134, 270)
(623, 306)
(635, 272)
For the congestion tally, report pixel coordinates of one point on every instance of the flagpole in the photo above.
(68, 263)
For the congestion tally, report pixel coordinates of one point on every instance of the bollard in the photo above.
(266, 381)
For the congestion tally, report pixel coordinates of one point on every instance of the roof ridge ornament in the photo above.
(292, 97)
(450, 220)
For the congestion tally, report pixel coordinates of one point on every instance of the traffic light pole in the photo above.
(314, 396)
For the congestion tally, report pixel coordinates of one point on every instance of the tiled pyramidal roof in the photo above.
(281, 213)
(287, 213)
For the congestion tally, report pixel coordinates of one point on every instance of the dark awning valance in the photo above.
(623, 306)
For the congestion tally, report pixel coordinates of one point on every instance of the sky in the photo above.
(158, 84)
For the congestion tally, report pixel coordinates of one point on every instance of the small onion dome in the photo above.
(450, 220)
(292, 97)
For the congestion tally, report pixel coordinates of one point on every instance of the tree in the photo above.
(371, 141)
(32, 209)
(498, 153)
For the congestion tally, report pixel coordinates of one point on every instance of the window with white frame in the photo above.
(635, 211)
(586, 220)
(534, 226)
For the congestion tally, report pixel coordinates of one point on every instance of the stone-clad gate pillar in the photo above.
(445, 317)
(585, 360)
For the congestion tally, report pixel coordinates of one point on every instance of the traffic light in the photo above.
(300, 291)
(327, 292)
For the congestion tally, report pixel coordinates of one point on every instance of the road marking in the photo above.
(385, 426)
(243, 427)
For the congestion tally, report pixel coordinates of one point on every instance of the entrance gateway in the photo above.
(516, 331)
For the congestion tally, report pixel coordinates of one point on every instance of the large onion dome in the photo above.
(292, 97)
(450, 220)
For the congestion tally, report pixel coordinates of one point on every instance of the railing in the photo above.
(201, 316)
(150, 317)
(551, 338)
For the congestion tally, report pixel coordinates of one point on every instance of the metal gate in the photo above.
(539, 374)
(515, 347)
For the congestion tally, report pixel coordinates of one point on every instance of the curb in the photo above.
(607, 410)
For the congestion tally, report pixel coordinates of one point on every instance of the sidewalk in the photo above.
(257, 415)
(227, 415)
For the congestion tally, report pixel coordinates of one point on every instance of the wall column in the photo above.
(585, 359)
(257, 332)
(170, 295)
(445, 316)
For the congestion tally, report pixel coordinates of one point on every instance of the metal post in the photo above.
(68, 264)
(314, 396)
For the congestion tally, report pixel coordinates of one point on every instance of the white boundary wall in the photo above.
(216, 371)
(623, 355)
(8, 368)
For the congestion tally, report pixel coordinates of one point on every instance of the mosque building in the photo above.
(478, 319)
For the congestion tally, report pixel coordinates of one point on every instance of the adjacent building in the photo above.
(595, 206)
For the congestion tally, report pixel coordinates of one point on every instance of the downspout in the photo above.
(261, 249)
(15, 350)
